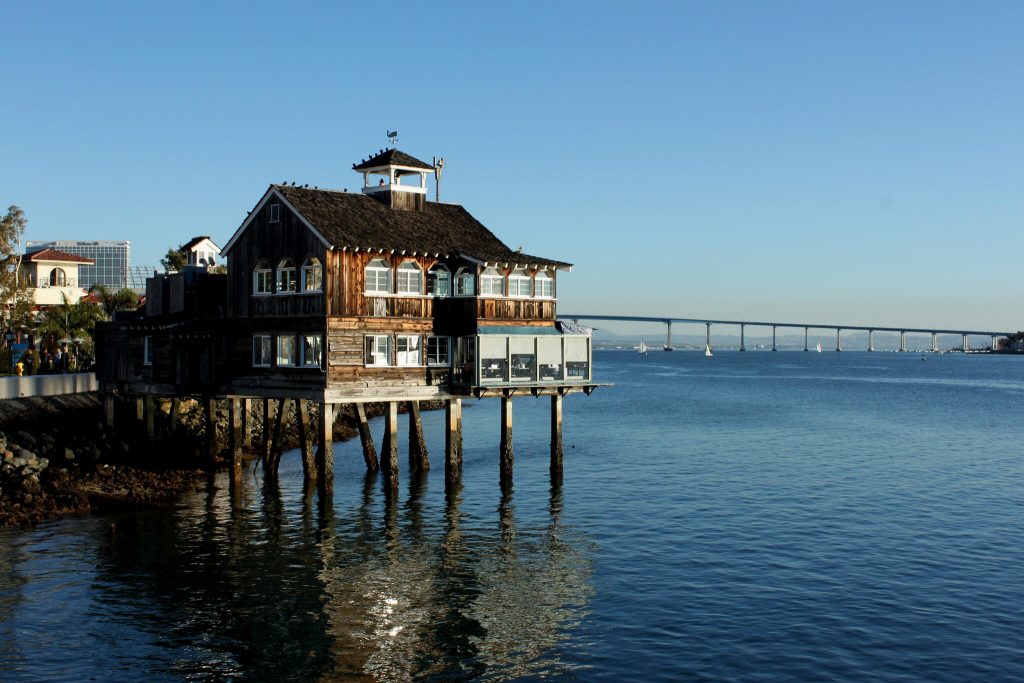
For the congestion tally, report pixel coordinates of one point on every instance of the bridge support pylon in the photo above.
(935, 342)
(839, 339)
(743, 329)
(871, 340)
(903, 342)
(967, 345)
(805, 339)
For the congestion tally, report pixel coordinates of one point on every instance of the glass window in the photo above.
(439, 281)
(376, 349)
(492, 283)
(544, 285)
(410, 278)
(519, 283)
(311, 350)
(147, 350)
(312, 275)
(465, 283)
(262, 279)
(287, 353)
(275, 213)
(438, 351)
(286, 278)
(261, 351)
(407, 351)
(493, 357)
(58, 278)
(378, 277)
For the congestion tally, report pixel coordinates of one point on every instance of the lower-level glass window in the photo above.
(407, 351)
(262, 351)
(438, 351)
(311, 351)
(147, 350)
(287, 353)
(376, 349)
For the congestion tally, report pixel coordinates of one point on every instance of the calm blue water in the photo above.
(757, 516)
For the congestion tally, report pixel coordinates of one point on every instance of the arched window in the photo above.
(287, 280)
(378, 277)
(262, 279)
(492, 283)
(544, 285)
(519, 283)
(410, 278)
(58, 278)
(439, 281)
(312, 275)
(465, 282)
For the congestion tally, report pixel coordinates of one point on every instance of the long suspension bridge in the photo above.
(839, 329)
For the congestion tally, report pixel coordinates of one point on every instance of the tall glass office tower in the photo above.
(113, 260)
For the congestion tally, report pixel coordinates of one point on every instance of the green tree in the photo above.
(174, 260)
(112, 301)
(15, 293)
(70, 321)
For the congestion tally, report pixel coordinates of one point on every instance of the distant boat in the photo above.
(819, 347)
(707, 351)
(642, 348)
(667, 348)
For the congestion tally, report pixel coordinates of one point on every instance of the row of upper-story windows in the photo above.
(287, 278)
(493, 282)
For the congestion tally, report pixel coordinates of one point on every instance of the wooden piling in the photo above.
(507, 456)
(280, 424)
(556, 438)
(268, 421)
(389, 448)
(247, 422)
(452, 442)
(305, 442)
(109, 408)
(235, 430)
(325, 449)
(366, 438)
(150, 413)
(140, 409)
(211, 425)
(175, 414)
(419, 458)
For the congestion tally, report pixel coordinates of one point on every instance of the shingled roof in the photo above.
(392, 157)
(353, 221)
(55, 255)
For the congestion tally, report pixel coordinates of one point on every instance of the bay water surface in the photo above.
(753, 516)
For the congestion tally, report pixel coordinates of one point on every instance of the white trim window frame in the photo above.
(377, 351)
(408, 350)
(312, 275)
(147, 350)
(410, 279)
(312, 351)
(465, 282)
(544, 285)
(378, 277)
(287, 351)
(519, 284)
(262, 279)
(439, 351)
(275, 213)
(287, 277)
(492, 282)
(262, 350)
(439, 281)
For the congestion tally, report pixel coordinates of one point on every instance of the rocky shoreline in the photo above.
(58, 458)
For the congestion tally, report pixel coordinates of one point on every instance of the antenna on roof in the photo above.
(438, 167)
(393, 135)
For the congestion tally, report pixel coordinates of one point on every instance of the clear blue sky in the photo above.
(849, 162)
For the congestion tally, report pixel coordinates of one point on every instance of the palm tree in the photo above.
(121, 300)
(68, 320)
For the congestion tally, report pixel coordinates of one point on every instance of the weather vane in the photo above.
(393, 136)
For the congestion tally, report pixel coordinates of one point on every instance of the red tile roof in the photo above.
(54, 255)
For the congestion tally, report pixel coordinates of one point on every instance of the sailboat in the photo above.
(819, 347)
(707, 351)
(642, 348)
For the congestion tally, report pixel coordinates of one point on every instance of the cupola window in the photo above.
(519, 283)
(378, 277)
(410, 278)
(286, 277)
(312, 275)
(492, 283)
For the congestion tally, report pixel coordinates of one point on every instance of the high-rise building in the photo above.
(113, 260)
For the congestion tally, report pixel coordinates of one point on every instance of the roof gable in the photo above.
(272, 192)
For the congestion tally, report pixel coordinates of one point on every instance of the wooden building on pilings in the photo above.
(336, 297)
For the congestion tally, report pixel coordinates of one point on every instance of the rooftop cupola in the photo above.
(396, 179)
